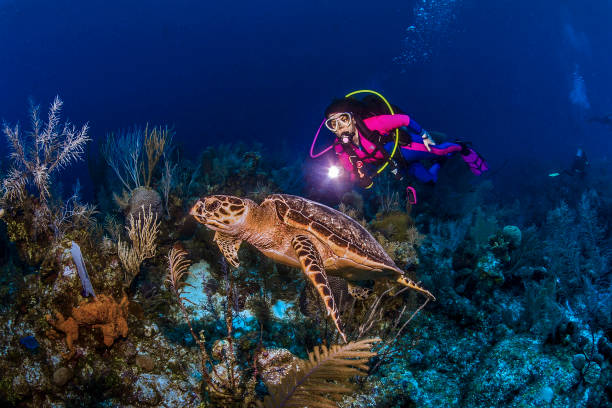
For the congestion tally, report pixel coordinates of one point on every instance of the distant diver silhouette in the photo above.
(605, 120)
(579, 167)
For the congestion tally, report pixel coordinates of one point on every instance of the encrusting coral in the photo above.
(103, 313)
(275, 363)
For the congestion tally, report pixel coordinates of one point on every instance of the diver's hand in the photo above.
(364, 181)
(427, 140)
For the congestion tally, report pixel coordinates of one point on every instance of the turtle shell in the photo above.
(340, 232)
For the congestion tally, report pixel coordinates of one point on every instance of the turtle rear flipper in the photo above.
(312, 266)
(414, 285)
(229, 247)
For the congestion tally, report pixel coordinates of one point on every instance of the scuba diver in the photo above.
(364, 136)
(579, 167)
(570, 183)
(580, 163)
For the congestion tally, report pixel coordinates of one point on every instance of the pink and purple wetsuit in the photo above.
(412, 153)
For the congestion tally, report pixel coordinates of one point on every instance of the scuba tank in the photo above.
(375, 106)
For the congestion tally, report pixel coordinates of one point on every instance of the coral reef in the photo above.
(522, 316)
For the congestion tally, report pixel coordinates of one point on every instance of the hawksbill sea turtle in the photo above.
(300, 233)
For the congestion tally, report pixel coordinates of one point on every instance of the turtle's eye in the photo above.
(210, 207)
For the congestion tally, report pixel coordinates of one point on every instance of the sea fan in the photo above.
(321, 381)
(178, 267)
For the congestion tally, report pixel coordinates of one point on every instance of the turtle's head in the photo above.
(221, 212)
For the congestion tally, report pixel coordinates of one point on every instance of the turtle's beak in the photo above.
(198, 212)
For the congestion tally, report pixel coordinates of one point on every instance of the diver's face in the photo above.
(343, 127)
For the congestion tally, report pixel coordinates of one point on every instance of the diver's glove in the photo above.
(364, 181)
(427, 140)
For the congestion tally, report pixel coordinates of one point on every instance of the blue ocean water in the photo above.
(526, 82)
(501, 72)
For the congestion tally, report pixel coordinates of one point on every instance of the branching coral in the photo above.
(167, 182)
(122, 153)
(155, 144)
(446, 236)
(13, 185)
(132, 165)
(72, 214)
(143, 232)
(562, 246)
(483, 227)
(51, 148)
(385, 315)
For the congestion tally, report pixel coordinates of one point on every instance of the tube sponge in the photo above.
(77, 257)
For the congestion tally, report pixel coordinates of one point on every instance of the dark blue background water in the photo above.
(501, 74)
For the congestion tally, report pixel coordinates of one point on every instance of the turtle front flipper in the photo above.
(229, 247)
(414, 285)
(312, 265)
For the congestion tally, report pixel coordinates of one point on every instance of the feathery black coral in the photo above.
(178, 267)
(322, 380)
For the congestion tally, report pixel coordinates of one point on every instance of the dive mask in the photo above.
(338, 120)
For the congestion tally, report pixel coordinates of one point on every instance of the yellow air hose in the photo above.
(396, 130)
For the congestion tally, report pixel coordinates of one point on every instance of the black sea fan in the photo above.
(48, 147)
(322, 380)
(178, 268)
